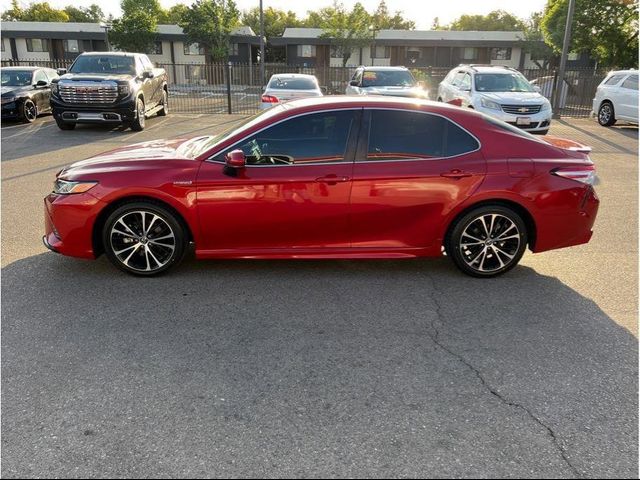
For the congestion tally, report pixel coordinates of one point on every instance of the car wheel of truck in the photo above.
(64, 125)
(138, 123)
(165, 104)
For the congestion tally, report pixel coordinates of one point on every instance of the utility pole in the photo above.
(563, 60)
(262, 58)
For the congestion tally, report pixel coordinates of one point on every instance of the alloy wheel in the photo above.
(605, 113)
(490, 242)
(30, 111)
(142, 241)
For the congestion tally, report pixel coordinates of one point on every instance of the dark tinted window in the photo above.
(387, 78)
(292, 83)
(114, 64)
(631, 82)
(613, 79)
(318, 137)
(397, 135)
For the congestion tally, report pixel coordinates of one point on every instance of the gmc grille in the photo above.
(96, 93)
(521, 109)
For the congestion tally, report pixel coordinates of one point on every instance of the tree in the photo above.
(606, 29)
(43, 12)
(275, 23)
(381, 19)
(533, 42)
(348, 31)
(496, 20)
(14, 13)
(209, 23)
(135, 31)
(174, 15)
(90, 14)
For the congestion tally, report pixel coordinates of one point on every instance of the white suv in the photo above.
(500, 92)
(617, 98)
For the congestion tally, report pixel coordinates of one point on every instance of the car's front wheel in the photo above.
(165, 104)
(606, 114)
(144, 238)
(29, 111)
(487, 241)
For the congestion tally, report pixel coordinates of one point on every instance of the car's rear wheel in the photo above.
(138, 124)
(144, 238)
(165, 104)
(29, 111)
(606, 114)
(487, 241)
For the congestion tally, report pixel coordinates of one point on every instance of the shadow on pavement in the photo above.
(335, 368)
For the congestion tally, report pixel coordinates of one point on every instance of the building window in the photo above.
(37, 45)
(234, 50)
(157, 48)
(193, 49)
(306, 51)
(71, 46)
(501, 54)
(469, 53)
(380, 51)
(336, 51)
(2, 43)
(572, 56)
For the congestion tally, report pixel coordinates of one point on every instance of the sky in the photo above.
(420, 11)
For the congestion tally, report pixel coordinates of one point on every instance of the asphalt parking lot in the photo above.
(316, 369)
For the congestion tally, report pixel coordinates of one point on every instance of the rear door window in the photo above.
(631, 82)
(404, 135)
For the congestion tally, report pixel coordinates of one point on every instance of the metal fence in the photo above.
(236, 88)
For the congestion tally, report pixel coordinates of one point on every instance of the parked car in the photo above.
(109, 87)
(501, 92)
(387, 81)
(26, 92)
(283, 87)
(617, 98)
(330, 177)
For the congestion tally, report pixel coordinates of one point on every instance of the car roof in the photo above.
(111, 54)
(621, 72)
(293, 75)
(357, 101)
(381, 68)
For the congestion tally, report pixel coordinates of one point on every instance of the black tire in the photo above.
(29, 111)
(439, 99)
(541, 132)
(64, 125)
(479, 254)
(606, 114)
(136, 251)
(164, 111)
(139, 122)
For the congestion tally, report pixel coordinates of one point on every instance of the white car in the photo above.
(287, 86)
(617, 98)
(501, 92)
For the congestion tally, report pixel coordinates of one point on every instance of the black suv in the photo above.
(109, 87)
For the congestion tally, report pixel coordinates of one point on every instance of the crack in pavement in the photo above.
(435, 338)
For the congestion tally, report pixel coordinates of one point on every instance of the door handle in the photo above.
(456, 174)
(332, 179)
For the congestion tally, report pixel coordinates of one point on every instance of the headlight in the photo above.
(486, 103)
(123, 90)
(54, 88)
(546, 106)
(8, 100)
(65, 187)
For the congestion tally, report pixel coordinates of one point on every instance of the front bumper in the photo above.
(122, 111)
(538, 122)
(10, 110)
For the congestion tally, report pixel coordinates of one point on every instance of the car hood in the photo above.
(95, 77)
(10, 91)
(514, 97)
(396, 91)
(133, 155)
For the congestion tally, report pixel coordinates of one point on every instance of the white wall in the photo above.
(354, 60)
(6, 55)
(166, 54)
(21, 50)
(182, 58)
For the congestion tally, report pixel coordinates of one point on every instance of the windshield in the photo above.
(115, 64)
(16, 78)
(199, 145)
(280, 83)
(502, 82)
(391, 78)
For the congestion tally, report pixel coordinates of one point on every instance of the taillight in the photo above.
(584, 174)
(269, 99)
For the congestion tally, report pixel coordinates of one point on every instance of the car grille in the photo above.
(95, 93)
(521, 109)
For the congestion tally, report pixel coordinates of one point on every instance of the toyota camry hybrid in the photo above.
(324, 178)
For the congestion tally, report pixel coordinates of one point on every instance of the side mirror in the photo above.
(354, 83)
(41, 84)
(61, 71)
(537, 88)
(236, 159)
(148, 74)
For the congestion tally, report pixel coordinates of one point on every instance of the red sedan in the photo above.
(330, 178)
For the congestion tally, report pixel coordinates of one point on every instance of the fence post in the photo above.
(228, 72)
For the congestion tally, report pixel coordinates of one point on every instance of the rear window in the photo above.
(399, 135)
(613, 79)
(387, 78)
(293, 84)
(631, 82)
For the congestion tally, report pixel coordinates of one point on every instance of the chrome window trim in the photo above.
(210, 158)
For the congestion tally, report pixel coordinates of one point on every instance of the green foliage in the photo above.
(209, 23)
(135, 31)
(348, 30)
(496, 20)
(14, 13)
(533, 42)
(37, 12)
(174, 15)
(382, 19)
(275, 22)
(606, 29)
(91, 14)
